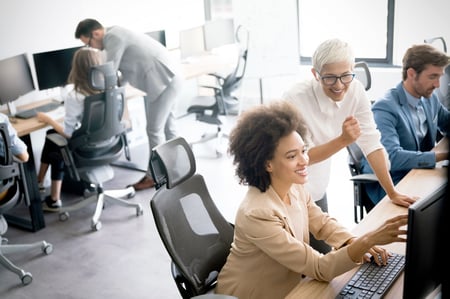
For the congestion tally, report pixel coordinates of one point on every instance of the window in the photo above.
(366, 24)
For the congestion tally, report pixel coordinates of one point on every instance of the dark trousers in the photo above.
(320, 245)
(51, 155)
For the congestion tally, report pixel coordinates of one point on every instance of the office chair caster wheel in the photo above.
(96, 226)
(47, 248)
(26, 278)
(63, 216)
(131, 194)
(139, 211)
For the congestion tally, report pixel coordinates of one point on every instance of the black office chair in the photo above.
(12, 183)
(99, 141)
(194, 232)
(362, 72)
(224, 101)
(361, 201)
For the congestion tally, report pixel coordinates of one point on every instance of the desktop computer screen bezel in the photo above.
(16, 80)
(53, 67)
(425, 245)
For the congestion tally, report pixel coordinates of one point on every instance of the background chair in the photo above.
(363, 74)
(362, 203)
(194, 232)
(224, 100)
(99, 141)
(444, 88)
(12, 183)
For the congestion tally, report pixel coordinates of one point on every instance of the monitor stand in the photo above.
(11, 109)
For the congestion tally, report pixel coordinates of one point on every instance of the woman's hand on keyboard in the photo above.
(392, 230)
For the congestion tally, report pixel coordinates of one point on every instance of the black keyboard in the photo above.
(373, 281)
(25, 114)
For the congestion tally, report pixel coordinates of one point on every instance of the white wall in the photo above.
(34, 26)
(414, 21)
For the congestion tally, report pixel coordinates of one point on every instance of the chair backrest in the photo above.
(101, 138)
(194, 232)
(437, 40)
(234, 79)
(10, 190)
(355, 156)
(363, 74)
(444, 87)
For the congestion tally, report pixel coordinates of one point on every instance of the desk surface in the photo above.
(205, 64)
(418, 182)
(27, 126)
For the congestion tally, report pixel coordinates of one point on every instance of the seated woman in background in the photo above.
(79, 88)
(270, 252)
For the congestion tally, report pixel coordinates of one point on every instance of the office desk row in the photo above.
(199, 66)
(418, 182)
(24, 128)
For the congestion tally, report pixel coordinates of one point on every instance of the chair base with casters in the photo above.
(6, 248)
(95, 176)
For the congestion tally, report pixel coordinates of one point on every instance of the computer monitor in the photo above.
(219, 33)
(53, 67)
(192, 42)
(425, 245)
(159, 35)
(15, 80)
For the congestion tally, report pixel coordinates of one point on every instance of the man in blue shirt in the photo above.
(410, 116)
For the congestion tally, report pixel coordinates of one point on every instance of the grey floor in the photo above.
(125, 258)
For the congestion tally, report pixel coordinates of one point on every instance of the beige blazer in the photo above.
(267, 259)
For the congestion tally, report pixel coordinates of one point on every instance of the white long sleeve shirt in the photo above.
(324, 118)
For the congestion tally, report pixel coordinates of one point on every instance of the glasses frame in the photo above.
(336, 78)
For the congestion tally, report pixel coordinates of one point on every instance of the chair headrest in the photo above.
(172, 162)
(103, 76)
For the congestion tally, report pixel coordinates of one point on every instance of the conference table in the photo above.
(418, 182)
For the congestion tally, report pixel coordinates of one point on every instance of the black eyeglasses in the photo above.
(331, 80)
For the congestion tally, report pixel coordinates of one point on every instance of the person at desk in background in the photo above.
(18, 147)
(146, 65)
(270, 251)
(76, 91)
(410, 116)
(337, 112)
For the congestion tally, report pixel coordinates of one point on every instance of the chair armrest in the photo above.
(364, 178)
(212, 87)
(57, 139)
(216, 75)
(63, 144)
